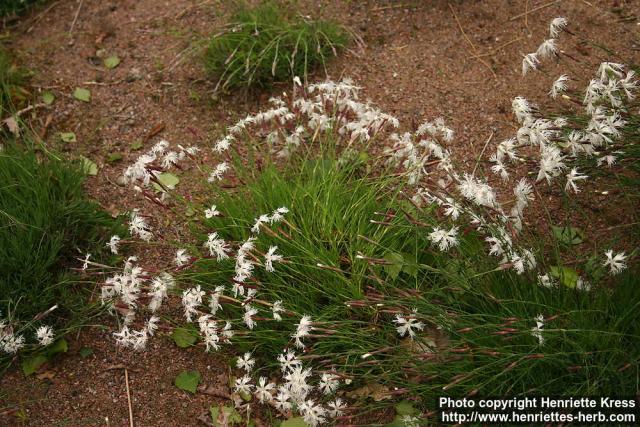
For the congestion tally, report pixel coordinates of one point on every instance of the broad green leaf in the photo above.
(136, 145)
(188, 381)
(294, 422)
(85, 352)
(68, 137)
(60, 346)
(167, 179)
(410, 266)
(82, 94)
(184, 337)
(568, 235)
(396, 262)
(114, 157)
(190, 211)
(88, 166)
(567, 276)
(405, 407)
(48, 97)
(112, 62)
(32, 364)
(221, 413)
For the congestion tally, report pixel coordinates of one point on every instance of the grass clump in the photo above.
(14, 7)
(46, 222)
(268, 44)
(357, 256)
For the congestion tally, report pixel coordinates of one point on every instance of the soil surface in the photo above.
(460, 60)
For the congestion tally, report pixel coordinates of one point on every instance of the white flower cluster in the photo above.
(295, 390)
(604, 101)
(322, 107)
(148, 167)
(548, 49)
(415, 151)
(12, 341)
(122, 293)
(423, 158)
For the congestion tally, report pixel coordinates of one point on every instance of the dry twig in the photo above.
(41, 15)
(75, 18)
(473, 47)
(535, 9)
(126, 381)
(497, 49)
(481, 153)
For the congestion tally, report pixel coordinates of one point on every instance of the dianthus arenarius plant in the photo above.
(403, 297)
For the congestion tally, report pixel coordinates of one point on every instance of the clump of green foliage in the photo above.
(12, 79)
(14, 7)
(46, 222)
(353, 275)
(269, 44)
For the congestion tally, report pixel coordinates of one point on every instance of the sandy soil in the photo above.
(421, 60)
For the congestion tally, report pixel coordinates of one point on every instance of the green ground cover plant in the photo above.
(14, 7)
(47, 223)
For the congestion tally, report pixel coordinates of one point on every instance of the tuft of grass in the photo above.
(46, 222)
(268, 44)
(352, 276)
(15, 7)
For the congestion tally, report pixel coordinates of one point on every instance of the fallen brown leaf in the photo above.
(214, 390)
(377, 392)
(12, 124)
(156, 129)
(46, 375)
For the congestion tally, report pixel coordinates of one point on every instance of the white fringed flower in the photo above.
(276, 309)
(445, 239)
(246, 362)
(312, 413)
(536, 331)
(557, 25)
(218, 172)
(616, 263)
(278, 215)
(243, 385)
(191, 299)
(211, 212)
(302, 330)
(264, 390)
(288, 361)
(249, 312)
(44, 335)
(217, 246)
(152, 325)
(262, 219)
(328, 383)
(572, 178)
(214, 300)
(138, 226)
(113, 244)
(336, 408)
(408, 325)
(270, 258)
(529, 62)
(559, 86)
(547, 49)
(181, 257)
